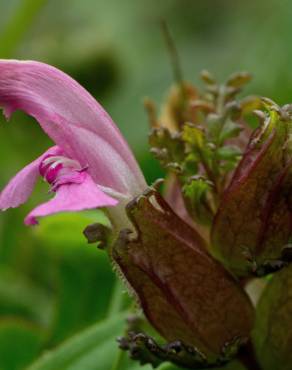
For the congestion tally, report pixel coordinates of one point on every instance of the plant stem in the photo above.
(177, 71)
(176, 66)
(116, 301)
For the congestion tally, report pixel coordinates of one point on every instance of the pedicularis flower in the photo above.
(229, 192)
(91, 165)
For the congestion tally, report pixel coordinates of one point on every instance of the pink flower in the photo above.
(91, 165)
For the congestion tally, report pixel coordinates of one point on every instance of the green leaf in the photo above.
(169, 366)
(92, 349)
(195, 193)
(84, 281)
(18, 295)
(80, 270)
(230, 130)
(214, 123)
(228, 153)
(272, 335)
(64, 230)
(238, 79)
(167, 147)
(19, 344)
(196, 189)
(197, 149)
(250, 104)
(134, 365)
(228, 157)
(193, 135)
(233, 365)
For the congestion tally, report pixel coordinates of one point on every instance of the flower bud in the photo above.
(185, 294)
(253, 223)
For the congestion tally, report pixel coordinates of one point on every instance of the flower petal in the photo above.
(19, 188)
(72, 197)
(71, 117)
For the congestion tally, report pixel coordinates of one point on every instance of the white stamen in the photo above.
(54, 161)
(113, 193)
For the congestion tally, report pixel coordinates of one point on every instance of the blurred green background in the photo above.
(52, 284)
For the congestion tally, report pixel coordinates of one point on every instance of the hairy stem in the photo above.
(116, 303)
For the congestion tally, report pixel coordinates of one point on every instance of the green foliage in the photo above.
(74, 287)
(167, 147)
(52, 284)
(96, 349)
(203, 142)
(18, 295)
(20, 343)
(93, 349)
(195, 191)
(233, 365)
(65, 230)
(194, 136)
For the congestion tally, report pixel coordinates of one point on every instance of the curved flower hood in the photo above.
(90, 156)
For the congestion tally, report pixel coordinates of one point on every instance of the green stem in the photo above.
(177, 71)
(18, 25)
(117, 298)
(208, 170)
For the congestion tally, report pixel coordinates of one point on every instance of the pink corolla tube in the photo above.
(91, 164)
